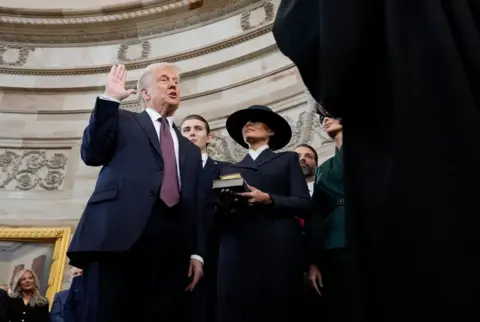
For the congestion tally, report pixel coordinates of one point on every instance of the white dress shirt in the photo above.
(204, 159)
(154, 115)
(310, 187)
(255, 153)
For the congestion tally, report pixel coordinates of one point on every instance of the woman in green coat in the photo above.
(328, 253)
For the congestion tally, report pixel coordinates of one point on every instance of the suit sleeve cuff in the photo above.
(197, 257)
(108, 98)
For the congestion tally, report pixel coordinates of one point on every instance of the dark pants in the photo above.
(311, 308)
(145, 284)
(336, 292)
(205, 295)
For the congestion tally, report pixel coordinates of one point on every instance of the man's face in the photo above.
(307, 160)
(163, 90)
(196, 132)
(74, 272)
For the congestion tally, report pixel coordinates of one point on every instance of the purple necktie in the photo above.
(169, 192)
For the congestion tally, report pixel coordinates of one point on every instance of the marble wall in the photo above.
(47, 94)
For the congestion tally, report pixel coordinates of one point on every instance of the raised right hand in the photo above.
(116, 80)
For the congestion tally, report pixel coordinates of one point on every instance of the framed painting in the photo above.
(43, 250)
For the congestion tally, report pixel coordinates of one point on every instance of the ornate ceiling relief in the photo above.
(144, 53)
(245, 19)
(32, 169)
(20, 52)
(105, 26)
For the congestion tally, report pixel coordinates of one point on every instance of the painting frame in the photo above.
(60, 237)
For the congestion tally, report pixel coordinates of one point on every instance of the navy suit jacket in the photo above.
(59, 301)
(75, 303)
(211, 171)
(3, 305)
(127, 146)
(213, 167)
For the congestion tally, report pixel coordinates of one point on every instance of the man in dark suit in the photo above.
(143, 224)
(74, 307)
(404, 77)
(57, 313)
(196, 128)
(3, 302)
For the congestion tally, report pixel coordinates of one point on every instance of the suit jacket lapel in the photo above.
(146, 123)
(208, 168)
(266, 156)
(247, 163)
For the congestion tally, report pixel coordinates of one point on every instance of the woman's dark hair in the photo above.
(315, 155)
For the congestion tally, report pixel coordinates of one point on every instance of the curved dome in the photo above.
(103, 23)
(68, 4)
(53, 65)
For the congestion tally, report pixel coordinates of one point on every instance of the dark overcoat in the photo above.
(404, 76)
(260, 272)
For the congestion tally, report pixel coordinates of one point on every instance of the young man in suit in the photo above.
(143, 223)
(404, 77)
(197, 130)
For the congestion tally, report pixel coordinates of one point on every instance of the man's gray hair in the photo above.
(146, 77)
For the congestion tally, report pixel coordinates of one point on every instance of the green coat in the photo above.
(327, 223)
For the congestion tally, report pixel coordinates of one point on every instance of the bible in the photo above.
(233, 182)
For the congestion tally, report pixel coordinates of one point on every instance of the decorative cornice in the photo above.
(251, 34)
(133, 104)
(133, 83)
(46, 13)
(93, 17)
(94, 29)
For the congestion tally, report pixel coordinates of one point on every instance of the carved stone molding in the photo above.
(93, 18)
(145, 53)
(23, 53)
(98, 29)
(269, 15)
(139, 65)
(33, 169)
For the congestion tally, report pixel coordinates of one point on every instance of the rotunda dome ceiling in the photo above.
(89, 22)
(69, 4)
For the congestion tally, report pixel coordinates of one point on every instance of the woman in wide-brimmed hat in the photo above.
(260, 273)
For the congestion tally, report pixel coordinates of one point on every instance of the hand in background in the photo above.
(116, 81)
(315, 278)
(195, 272)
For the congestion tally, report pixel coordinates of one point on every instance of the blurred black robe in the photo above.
(404, 75)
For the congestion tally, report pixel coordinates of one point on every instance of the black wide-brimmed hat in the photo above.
(260, 113)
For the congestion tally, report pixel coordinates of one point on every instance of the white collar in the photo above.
(204, 158)
(154, 115)
(255, 153)
(311, 187)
